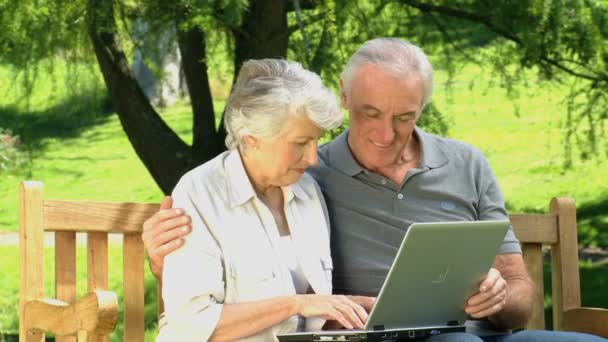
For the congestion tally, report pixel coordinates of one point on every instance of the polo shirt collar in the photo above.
(431, 154)
(341, 156)
(241, 190)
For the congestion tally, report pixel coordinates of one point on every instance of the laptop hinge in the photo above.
(378, 327)
(452, 323)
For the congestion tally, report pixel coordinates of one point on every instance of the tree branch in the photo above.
(487, 22)
(192, 46)
(456, 13)
(309, 20)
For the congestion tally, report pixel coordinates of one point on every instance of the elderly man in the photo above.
(384, 173)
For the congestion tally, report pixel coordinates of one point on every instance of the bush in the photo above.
(12, 157)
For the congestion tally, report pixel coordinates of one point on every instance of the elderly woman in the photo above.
(257, 262)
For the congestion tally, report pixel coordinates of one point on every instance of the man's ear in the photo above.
(343, 97)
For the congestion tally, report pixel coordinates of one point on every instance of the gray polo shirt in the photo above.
(369, 214)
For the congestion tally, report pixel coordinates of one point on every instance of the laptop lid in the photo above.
(438, 266)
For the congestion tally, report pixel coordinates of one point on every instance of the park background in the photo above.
(525, 82)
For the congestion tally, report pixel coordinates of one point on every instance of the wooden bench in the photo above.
(94, 315)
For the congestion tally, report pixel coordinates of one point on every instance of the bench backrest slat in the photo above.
(65, 272)
(533, 257)
(96, 216)
(535, 228)
(133, 277)
(97, 267)
(31, 249)
(534, 231)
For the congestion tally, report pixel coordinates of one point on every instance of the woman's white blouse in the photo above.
(232, 253)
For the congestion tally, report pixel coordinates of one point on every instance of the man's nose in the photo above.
(386, 133)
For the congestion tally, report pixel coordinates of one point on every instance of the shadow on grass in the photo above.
(67, 119)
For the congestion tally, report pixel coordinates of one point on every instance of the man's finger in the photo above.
(489, 311)
(484, 305)
(166, 203)
(162, 215)
(153, 236)
(491, 279)
(168, 236)
(163, 250)
(481, 297)
(171, 224)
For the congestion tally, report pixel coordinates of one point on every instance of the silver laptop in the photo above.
(438, 266)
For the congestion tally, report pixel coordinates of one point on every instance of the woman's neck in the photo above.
(261, 184)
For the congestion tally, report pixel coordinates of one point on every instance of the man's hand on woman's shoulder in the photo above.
(163, 233)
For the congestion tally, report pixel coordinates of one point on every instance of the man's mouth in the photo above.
(380, 145)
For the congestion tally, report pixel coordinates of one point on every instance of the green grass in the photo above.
(522, 139)
(79, 151)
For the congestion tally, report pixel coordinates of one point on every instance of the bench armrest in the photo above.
(95, 312)
(587, 320)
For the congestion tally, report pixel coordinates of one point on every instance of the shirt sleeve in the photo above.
(492, 206)
(193, 277)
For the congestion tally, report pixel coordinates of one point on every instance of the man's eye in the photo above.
(372, 114)
(406, 118)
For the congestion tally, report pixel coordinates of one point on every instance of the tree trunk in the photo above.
(262, 34)
(163, 153)
(207, 142)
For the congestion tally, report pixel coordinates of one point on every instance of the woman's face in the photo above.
(282, 160)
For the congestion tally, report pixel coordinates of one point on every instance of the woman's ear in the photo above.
(250, 142)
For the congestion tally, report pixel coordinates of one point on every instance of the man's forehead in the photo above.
(378, 92)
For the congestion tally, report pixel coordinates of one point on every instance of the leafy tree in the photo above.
(562, 40)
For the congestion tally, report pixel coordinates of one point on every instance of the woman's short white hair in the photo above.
(397, 57)
(268, 91)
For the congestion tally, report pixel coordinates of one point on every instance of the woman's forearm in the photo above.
(246, 319)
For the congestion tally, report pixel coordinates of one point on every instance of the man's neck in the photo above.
(409, 159)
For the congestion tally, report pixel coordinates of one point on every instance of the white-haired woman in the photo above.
(257, 262)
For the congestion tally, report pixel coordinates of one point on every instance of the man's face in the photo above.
(383, 113)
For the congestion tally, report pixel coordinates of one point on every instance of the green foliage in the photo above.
(12, 158)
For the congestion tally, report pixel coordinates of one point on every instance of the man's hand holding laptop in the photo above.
(491, 298)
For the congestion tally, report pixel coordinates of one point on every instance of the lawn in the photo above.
(79, 151)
